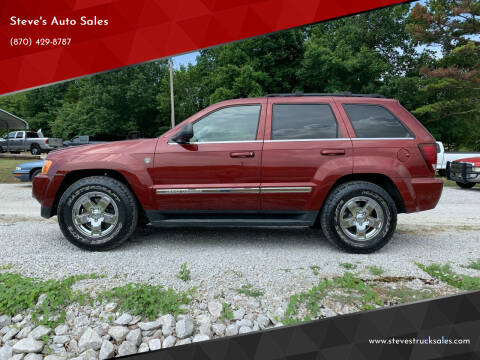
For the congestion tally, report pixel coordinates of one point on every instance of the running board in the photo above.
(231, 218)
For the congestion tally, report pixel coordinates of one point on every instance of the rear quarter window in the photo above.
(375, 121)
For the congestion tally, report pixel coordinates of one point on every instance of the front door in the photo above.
(16, 144)
(219, 169)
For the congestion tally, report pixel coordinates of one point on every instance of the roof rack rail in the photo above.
(344, 94)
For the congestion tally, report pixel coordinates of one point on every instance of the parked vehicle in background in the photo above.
(35, 142)
(345, 163)
(465, 172)
(444, 157)
(97, 139)
(27, 171)
(82, 140)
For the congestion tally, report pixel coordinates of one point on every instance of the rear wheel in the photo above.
(468, 185)
(97, 213)
(359, 217)
(1, 150)
(35, 149)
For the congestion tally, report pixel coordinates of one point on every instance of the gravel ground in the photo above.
(277, 260)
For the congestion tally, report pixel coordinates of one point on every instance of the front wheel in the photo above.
(97, 213)
(35, 173)
(468, 185)
(359, 217)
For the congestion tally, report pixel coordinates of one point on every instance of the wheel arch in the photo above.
(379, 179)
(76, 175)
(32, 171)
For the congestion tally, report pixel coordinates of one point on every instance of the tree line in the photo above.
(425, 55)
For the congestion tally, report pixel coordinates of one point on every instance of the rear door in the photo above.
(306, 149)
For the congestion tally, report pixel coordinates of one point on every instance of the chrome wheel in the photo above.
(95, 214)
(361, 218)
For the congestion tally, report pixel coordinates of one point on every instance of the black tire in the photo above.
(35, 173)
(468, 185)
(1, 150)
(122, 198)
(330, 216)
(35, 149)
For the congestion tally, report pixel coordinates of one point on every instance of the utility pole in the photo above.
(172, 102)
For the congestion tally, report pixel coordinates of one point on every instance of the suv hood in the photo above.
(138, 146)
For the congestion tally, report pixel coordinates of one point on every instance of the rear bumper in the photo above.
(419, 194)
(44, 189)
(427, 192)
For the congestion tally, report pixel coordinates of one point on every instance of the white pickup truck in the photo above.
(35, 142)
(443, 157)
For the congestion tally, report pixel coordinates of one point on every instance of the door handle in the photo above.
(242, 154)
(333, 152)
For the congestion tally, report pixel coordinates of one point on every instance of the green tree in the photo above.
(451, 85)
(113, 103)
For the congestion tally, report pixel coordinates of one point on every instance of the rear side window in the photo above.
(375, 121)
(32, 135)
(303, 121)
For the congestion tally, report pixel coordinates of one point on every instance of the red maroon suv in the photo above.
(345, 163)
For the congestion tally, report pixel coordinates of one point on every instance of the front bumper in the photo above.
(462, 172)
(44, 189)
(22, 176)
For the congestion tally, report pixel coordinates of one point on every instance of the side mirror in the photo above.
(184, 135)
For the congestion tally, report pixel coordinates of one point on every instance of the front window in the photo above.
(233, 123)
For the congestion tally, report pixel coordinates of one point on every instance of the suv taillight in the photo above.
(429, 152)
(46, 141)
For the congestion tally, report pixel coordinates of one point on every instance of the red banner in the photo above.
(48, 41)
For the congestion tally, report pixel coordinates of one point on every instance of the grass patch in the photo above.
(315, 269)
(147, 300)
(184, 273)
(446, 274)
(250, 290)
(19, 293)
(349, 287)
(376, 270)
(446, 182)
(475, 265)
(6, 168)
(405, 295)
(227, 313)
(348, 266)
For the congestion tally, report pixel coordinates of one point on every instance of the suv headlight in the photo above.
(46, 167)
